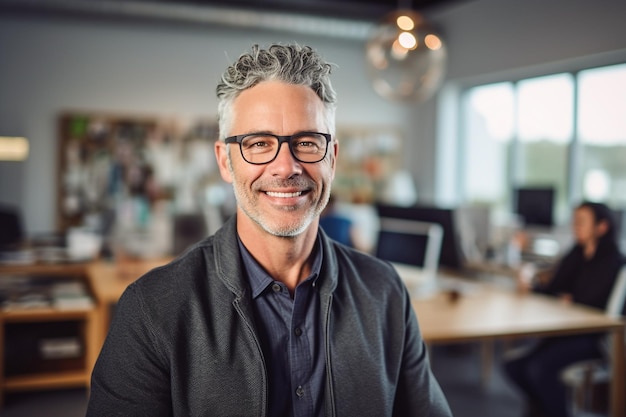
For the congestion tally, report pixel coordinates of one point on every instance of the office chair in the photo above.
(583, 378)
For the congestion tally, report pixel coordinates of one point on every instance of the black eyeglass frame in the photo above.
(281, 139)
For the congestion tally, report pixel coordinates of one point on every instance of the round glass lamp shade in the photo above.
(406, 58)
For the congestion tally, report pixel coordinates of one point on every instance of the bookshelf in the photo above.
(68, 336)
(45, 342)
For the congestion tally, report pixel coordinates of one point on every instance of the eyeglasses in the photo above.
(263, 148)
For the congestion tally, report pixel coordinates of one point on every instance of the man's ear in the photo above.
(221, 154)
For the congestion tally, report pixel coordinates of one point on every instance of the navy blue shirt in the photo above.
(291, 338)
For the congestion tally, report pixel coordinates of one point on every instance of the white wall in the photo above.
(497, 36)
(50, 65)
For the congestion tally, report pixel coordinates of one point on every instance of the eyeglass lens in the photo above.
(260, 149)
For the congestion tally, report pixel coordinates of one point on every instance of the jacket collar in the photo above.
(230, 270)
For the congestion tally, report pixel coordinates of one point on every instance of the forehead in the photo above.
(584, 213)
(274, 105)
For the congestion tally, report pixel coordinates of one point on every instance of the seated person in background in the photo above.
(585, 275)
(339, 227)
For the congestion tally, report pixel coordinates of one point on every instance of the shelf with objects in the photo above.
(130, 177)
(50, 331)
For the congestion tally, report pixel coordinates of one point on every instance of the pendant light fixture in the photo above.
(406, 57)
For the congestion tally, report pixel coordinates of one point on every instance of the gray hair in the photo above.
(293, 64)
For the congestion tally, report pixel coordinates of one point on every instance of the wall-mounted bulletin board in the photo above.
(106, 158)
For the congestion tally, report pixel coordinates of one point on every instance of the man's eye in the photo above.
(257, 142)
(307, 144)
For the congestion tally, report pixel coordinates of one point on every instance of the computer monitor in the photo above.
(450, 255)
(410, 242)
(474, 226)
(11, 230)
(535, 205)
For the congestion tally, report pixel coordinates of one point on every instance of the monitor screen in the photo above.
(11, 232)
(404, 248)
(535, 205)
(450, 254)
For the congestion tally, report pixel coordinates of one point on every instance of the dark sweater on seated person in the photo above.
(589, 281)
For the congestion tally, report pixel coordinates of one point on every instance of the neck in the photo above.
(589, 249)
(286, 259)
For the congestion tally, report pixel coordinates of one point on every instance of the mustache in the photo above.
(298, 182)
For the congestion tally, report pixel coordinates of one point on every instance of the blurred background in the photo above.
(108, 116)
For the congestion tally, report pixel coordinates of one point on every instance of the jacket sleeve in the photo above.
(419, 393)
(131, 376)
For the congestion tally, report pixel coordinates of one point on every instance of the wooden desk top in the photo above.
(110, 279)
(488, 312)
(75, 268)
(484, 312)
(107, 279)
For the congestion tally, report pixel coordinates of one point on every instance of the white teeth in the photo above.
(283, 195)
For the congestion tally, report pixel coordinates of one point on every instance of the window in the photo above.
(544, 132)
(489, 119)
(563, 130)
(602, 135)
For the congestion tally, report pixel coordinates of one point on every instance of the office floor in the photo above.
(456, 367)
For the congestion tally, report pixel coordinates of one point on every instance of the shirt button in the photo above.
(300, 391)
(298, 331)
(276, 287)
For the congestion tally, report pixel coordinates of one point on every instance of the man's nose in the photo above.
(285, 164)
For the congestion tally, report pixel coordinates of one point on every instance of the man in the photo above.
(269, 317)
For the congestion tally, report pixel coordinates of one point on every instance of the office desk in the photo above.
(483, 312)
(109, 280)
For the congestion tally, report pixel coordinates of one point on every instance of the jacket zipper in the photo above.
(258, 346)
(330, 405)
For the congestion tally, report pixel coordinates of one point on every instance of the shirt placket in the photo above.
(301, 363)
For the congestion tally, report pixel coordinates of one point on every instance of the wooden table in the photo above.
(483, 312)
(109, 280)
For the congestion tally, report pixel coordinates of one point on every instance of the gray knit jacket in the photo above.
(184, 343)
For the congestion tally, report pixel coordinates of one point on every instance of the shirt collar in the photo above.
(259, 279)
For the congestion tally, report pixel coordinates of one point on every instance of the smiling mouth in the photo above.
(283, 195)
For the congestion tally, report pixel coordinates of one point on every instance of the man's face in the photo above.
(284, 196)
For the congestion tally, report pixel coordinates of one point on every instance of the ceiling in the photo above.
(350, 19)
(370, 10)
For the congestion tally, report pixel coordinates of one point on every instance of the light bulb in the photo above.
(406, 57)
